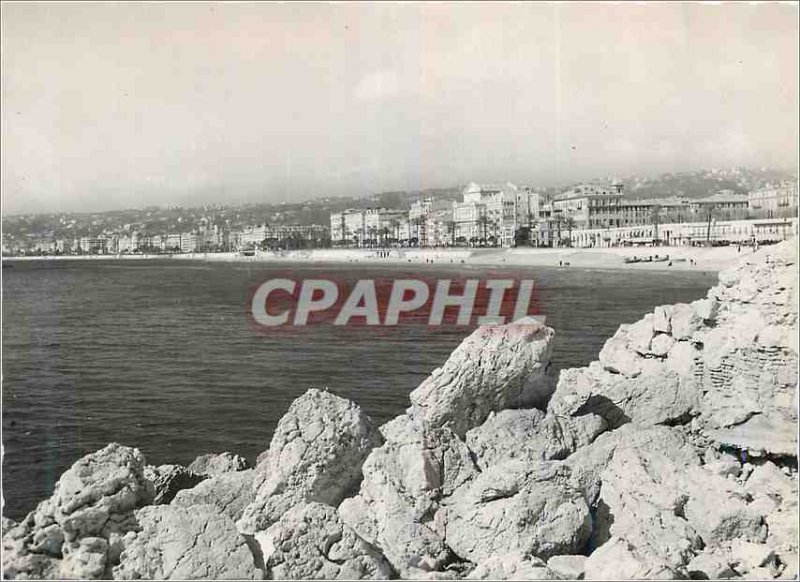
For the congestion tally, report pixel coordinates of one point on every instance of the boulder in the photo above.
(684, 321)
(718, 509)
(661, 345)
(640, 506)
(97, 488)
(618, 559)
(759, 436)
(316, 454)
(405, 480)
(658, 396)
(310, 542)
(94, 499)
(530, 435)
(706, 309)
(640, 335)
(216, 464)
(711, 565)
(7, 524)
(618, 357)
(661, 319)
(185, 543)
(517, 507)
(229, 492)
(511, 567)
(497, 367)
(85, 560)
(568, 567)
(167, 480)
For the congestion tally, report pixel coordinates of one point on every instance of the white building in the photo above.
(774, 201)
(431, 221)
(495, 214)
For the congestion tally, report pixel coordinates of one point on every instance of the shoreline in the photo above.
(680, 258)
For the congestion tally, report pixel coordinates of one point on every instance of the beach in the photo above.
(680, 258)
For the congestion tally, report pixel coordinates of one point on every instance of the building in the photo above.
(365, 226)
(379, 223)
(297, 235)
(337, 228)
(128, 243)
(251, 237)
(188, 242)
(776, 201)
(497, 215)
(354, 228)
(93, 245)
(588, 206)
(172, 242)
(725, 205)
(432, 220)
(692, 232)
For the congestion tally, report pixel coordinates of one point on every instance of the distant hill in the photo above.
(703, 183)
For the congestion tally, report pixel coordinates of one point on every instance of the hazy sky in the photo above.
(118, 105)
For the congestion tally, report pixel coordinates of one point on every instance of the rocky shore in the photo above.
(674, 455)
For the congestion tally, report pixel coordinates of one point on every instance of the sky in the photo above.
(120, 105)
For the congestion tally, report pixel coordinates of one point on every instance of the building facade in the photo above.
(776, 201)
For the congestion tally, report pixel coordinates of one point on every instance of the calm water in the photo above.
(160, 355)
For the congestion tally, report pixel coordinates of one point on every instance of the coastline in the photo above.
(681, 258)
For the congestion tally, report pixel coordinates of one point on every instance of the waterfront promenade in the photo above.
(680, 258)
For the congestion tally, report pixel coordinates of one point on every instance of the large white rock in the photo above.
(497, 367)
(530, 435)
(719, 510)
(511, 567)
(518, 507)
(216, 464)
(85, 560)
(98, 486)
(310, 542)
(315, 455)
(618, 357)
(640, 505)
(229, 492)
(405, 480)
(567, 567)
(658, 396)
(618, 559)
(685, 321)
(640, 334)
(661, 319)
(185, 543)
(94, 499)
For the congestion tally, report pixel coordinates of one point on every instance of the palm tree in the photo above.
(559, 222)
(395, 228)
(371, 231)
(484, 221)
(710, 211)
(532, 223)
(655, 217)
(416, 223)
(570, 224)
(384, 232)
(451, 229)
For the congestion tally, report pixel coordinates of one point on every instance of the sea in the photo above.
(162, 355)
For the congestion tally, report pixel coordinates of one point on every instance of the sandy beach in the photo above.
(680, 258)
